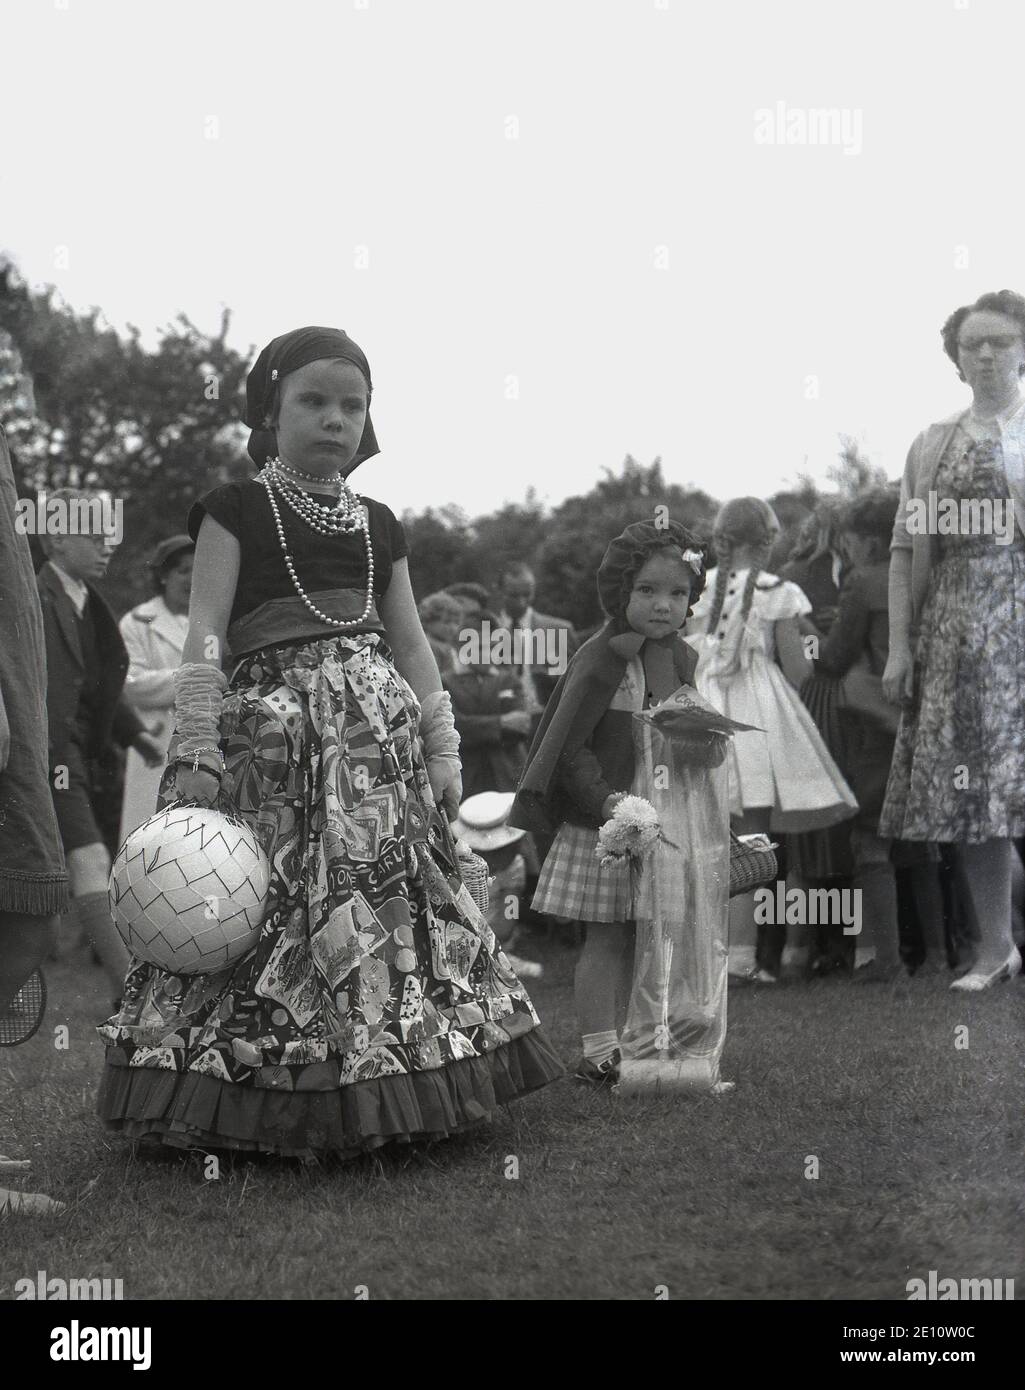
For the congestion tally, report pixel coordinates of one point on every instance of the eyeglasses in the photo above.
(999, 342)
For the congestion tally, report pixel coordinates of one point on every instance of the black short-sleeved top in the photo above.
(321, 562)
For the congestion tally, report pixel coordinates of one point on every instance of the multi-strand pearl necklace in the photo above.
(341, 518)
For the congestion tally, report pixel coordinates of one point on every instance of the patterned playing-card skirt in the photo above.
(376, 1004)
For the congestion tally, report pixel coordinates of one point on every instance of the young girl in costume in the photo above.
(375, 1005)
(582, 763)
(782, 778)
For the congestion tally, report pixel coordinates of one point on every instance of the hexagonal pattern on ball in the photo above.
(187, 890)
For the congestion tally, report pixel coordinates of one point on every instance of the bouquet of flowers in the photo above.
(632, 832)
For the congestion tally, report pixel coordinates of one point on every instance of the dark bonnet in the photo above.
(632, 549)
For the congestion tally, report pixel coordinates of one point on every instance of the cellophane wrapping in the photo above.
(676, 1021)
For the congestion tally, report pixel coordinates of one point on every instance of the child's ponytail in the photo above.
(723, 560)
(749, 522)
(749, 592)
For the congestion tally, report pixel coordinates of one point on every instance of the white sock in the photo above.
(741, 960)
(599, 1047)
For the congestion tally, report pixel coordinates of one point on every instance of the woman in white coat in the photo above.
(154, 633)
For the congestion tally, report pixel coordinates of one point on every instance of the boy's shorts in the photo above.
(74, 803)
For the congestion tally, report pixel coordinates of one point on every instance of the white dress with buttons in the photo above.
(785, 766)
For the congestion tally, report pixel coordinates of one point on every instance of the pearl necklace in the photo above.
(310, 477)
(343, 518)
(327, 518)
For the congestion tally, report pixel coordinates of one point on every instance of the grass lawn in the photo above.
(919, 1146)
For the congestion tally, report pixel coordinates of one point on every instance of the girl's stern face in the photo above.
(661, 596)
(323, 411)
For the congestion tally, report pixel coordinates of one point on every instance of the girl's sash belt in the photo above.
(289, 620)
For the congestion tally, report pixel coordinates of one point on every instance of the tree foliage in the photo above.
(155, 429)
(854, 472)
(440, 542)
(581, 527)
(83, 405)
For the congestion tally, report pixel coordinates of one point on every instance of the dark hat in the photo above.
(287, 354)
(168, 549)
(632, 549)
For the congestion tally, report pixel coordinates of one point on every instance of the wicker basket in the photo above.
(473, 870)
(750, 866)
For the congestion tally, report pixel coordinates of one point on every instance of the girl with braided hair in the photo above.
(782, 777)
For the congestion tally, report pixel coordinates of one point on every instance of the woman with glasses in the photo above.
(957, 629)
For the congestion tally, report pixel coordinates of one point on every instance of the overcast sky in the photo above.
(563, 230)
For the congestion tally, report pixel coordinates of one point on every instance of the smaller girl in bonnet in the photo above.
(582, 763)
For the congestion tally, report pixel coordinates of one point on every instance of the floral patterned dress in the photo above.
(376, 1004)
(958, 771)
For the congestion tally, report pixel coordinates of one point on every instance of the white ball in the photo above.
(187, 890)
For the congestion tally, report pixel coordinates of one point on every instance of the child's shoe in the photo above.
(830, 963)
(601, 1075)
(741, 962)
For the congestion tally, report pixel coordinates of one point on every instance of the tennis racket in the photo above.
(22, 1017)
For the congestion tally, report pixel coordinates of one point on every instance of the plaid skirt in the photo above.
(574, 884)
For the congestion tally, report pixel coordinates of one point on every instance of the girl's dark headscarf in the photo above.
(287, 354)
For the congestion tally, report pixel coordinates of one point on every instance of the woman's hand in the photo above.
(196, 786)
(898, 678)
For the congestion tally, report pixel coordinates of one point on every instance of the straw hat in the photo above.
(483, 824)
